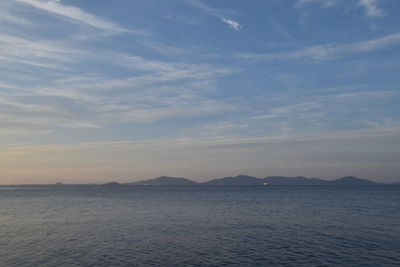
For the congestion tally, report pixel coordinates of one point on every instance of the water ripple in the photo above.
(191, 226)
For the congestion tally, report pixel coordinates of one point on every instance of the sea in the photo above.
(93, 225)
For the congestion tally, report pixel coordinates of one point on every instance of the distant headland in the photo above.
(250, 180)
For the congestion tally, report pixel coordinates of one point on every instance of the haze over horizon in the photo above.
(94, 91)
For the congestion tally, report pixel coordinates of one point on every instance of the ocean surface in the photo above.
(200, 226)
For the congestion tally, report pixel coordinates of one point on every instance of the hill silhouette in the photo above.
(299, 180)
(351, 180)
(251, 180)
(165, 180)
(237, 180)
(112, 184)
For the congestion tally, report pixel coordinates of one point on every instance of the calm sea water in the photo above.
(200, 226)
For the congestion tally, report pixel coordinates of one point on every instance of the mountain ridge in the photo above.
(165, 180)
(251, 180)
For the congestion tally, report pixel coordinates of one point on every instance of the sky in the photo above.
(97, 90)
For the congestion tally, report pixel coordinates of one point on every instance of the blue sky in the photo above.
(98, 90)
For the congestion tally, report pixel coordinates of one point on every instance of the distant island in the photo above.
(251, 180)
(165, 180)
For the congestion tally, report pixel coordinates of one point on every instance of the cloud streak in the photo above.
(76, 15)
(370, 6)
(76, 97)
(235, 25)
(330, 51)
(231, 23)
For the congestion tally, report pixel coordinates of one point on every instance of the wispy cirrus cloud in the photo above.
(36, 52)
(164, 91)
(370, 6)
(6, 17)
(85, 97)
(330, 51)
(77, 15)
(235, 25)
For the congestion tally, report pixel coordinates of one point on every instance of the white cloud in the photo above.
(231, 23)
(35, 52)
(371, 8)
(85, 100)
(70, 96)
(213, 12)
(23, 131)
(13, 19)
(81, 102)
(331, 51)
(76, 15)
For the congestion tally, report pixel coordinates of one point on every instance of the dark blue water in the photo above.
(200, 226)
